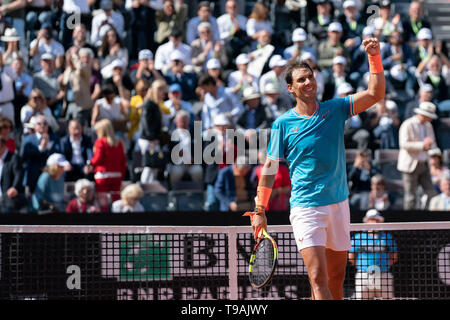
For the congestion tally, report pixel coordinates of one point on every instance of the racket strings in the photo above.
(263, 263)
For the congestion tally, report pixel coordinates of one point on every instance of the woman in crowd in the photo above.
(110, 50)
(85, 198)
(37, 105)
(437, 168)
(129, 201)
(258, 20)
(6, 127)
(136, 102)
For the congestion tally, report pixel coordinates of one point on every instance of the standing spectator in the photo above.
(205, 48)
(146, 68)
(35, 150)
(416, 137)
(44, 43)
(37, 105)
(258, 20)
(142, 27)
(203, 15)
(7, 92)
(373, 253)
(441, 202)
(170, 17)
(108, 163)
(105, 20)
(318, 25)
(331, 47)
(11, 178)
(176, 74)
(6, 129)
(85, 201)
(129, 201)
(163, 55)
(49, 193)
(110, 50)
(77, 149)
(414, 21)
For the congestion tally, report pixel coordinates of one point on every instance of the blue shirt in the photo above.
(50, 190)
(373, 250)
(314, 149)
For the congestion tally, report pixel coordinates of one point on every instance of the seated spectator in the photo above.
(170, 17)
(37, 105)
(425, 95)
(424, 49)
(48, 81)
(396, 52)
(182, 151)
(233, 187)
(276, 75)
(12, 196)
(176, 74)
(129, 200)
(379, 198)
(44, 43)
(110, 50)
(146, 68)
(6, 129)
(241, 79)
(384, 24)
(281, 190)
(331, 47)
(258, 20)
(105, 20)
(175, 104)
(85, 201)
(413, 22)
(352, 25)
(298, 48)
(13, 47)
(120, 80)
(337, 76)
(77, 149)
(359, 178)
(437, 168)
(203, 15)
(163, 55)
(73, 14)
(7, 78)
(35, 149)
(387, 124)
(108, 163)
(79, 39)
(277, 103)
(318, 25)
(441, 202)
(49, 193)
(214, 69)
(205, 48)
(260, 52)
(400, 84)
(435, 74)
(135, 111)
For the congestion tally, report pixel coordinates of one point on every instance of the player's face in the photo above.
(304, 84)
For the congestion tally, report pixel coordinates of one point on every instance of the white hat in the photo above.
(242, 59)
(398, 73)
(250, 93)
(335, 26)
(47, 56)
(57, 158)
(177, 55)
(145, 54)
(213, 64)
(348, 3)
(368, 31)
(221, 120)
(117, 64)
(10, 35)
(435, 152)
(299, 34)
(373, 214)
(426, 87)
(340, 59)
(277, 61)
(307, 56)
(271, 88)
(424, 33)
(344, 88)
(391, 105)
(427, 109)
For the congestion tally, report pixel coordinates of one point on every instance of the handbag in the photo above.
(156, 159)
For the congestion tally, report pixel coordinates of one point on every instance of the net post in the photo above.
(233, 263)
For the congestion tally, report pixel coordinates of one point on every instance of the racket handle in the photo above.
(259, 232)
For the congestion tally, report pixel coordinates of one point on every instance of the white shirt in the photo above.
(8, 76)
(235, 78)
(78, 6)
(116, 19)
(271, 77)
(162, 55)
(55, 48)
(254, 26)
(109, 111)
(118, 207)
(77, 157)
(27, 112)
(226, 25)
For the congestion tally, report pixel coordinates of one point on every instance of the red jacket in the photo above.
(107, 158)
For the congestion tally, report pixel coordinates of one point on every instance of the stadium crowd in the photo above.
(98, 98)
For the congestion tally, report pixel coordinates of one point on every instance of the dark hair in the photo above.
(104, 48)
(107, 89)
(294, 66)
(203, 4)
(176, 33)
(205, 80)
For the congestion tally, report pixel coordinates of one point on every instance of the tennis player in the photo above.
(310, 137)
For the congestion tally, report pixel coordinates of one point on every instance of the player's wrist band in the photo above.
(263, 196)
(375, 64)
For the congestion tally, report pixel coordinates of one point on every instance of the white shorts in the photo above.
(326, 226)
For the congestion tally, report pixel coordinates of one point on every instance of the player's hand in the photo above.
(258, 221)
(371, 46)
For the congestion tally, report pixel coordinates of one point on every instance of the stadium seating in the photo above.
(386, 161)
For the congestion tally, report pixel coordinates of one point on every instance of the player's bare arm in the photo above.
(377, 83)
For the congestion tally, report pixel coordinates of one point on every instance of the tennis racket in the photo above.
(263, 260)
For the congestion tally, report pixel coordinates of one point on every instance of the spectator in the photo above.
(331, 47)
(214, 69)
(146, 68)
(129, 201)
(77, 81)
(37, 105)
(48, 81)
(14, 12)
(384, 24)
(175, 104)
(413, 22)
(135, 111)
(13, 47)
(110, 50)
(373, 253)
(203, 15)
(318, 25)
(85, 201)
(379, 198)
(49, 193)
(35, 149)
(108, 163)
(387, 124)
(437, 168)
(142, 26)
(396, 52)
(7, 94)
(11, 178)
(425, 95)
(277, 103)
(233, 187)
(177, 74)
(260, 52)
(352, 25)
(241, 79)
(80, 8)
(23, 84)
(105, 20)
(435, 74)
(6, 129)
(170, 17)
(182, 151)
(337, 76)
(120, 80)
(218, 100)
(77, 149)
(258, 21)
(163, 55)
(79, 39)
(416, 137)
(298, 47)
(44, 43)
(424, 49)
(276, 75)
(400, 84)
(441, 202)
(231, 23)
(205, 48)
